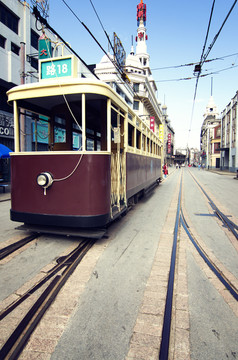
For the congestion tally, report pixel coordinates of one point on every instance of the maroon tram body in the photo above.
(59, 184)
(83, 200)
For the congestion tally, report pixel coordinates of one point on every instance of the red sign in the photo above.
(152, 123)
(169, 143)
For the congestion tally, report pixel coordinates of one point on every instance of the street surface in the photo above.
(112, 306)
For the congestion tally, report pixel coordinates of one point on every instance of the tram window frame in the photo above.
(114, 115)
(40, 142)
(131, 137)
(143, 142)
(60, 123)
(96, 124)
(138, 139)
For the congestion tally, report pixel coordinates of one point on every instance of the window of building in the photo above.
(233, 161)
(15, 49)
(136, 87)
(136, 105)
(34, 39)
(34, 63)
(2, 41)
(8, 18)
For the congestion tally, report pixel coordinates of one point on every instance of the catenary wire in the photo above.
(204, 56)
(192, 63)
(201, 76)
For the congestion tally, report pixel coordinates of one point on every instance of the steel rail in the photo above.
(164, 345)
(231, 288)
(230, 225)
(4, 252)
(16, 342)
(63, 261)
(180, 220)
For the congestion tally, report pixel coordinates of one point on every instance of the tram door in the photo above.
(118, 163)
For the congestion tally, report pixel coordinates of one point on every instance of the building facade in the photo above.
(229, 138)
(169, 138)
(19, 51)
(140, 92)
(210, 137)
(19, 54)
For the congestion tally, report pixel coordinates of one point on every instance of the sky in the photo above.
(176, 36)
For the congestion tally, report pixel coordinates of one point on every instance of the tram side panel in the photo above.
(142, 172)
(82, 200)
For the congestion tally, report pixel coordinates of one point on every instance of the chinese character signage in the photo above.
(169, 143)
(45, 48)
(161, 132)
(58, 67)
(152, 123)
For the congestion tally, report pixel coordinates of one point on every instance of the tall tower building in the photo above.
(141, 38)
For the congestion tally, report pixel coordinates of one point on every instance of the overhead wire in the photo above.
(193, 63)
(104, 51)
(204, 56)
(115, 55)
(109, 41)
(201, 76)
(216, 36)
(199, 66)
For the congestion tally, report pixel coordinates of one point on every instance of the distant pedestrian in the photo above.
(199, 166)
(165, 170)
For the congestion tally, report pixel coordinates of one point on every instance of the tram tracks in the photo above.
(181, 221)
(10, 249)
(221, 216)
(66, 265)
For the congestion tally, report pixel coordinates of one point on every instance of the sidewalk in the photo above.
(5, 192)
(223, 172)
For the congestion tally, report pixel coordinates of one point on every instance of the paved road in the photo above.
(101, 324)
(213, 324)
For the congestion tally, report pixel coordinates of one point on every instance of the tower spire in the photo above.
(141, 38)
(141, 13)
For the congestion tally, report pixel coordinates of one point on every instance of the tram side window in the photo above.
(143, 142)
(77, 137)
(59, 130)
(40, 133)
(138, 139)
(96, 124)
(113, 123)
(131, 130)
(148, 145)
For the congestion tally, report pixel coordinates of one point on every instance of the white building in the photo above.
(141, 91)
(229, 138)
(210, 137)
(138, 70)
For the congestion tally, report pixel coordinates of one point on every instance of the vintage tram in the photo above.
(81, 154)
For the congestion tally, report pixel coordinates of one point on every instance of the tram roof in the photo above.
(47, 94)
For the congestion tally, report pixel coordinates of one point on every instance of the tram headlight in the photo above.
(44, 179)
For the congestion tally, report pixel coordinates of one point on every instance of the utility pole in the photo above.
(22, 112)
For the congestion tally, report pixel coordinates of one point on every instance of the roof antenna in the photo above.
(211, 85)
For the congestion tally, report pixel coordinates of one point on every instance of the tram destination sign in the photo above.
(58, 67)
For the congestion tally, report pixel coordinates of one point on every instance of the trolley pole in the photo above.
(22, 112)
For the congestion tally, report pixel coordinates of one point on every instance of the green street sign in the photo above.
(58, 68)
(45, 48)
